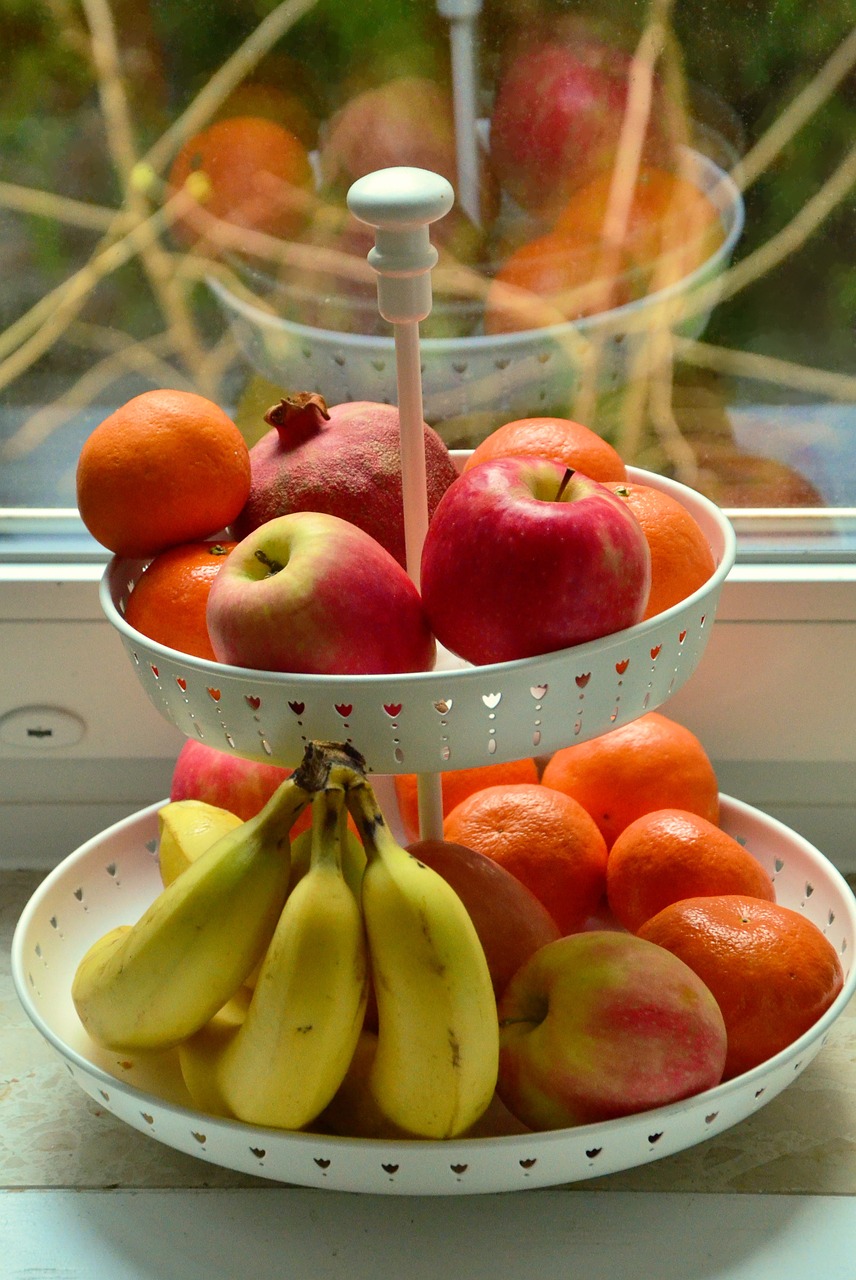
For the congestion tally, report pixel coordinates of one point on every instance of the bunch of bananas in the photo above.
(256, 961)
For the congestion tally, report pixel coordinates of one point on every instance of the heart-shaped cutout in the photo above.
(258, 1152)
(201, 1138)
(322, 1162)
(682, 637)
(297, 707)
(443, 707)
(539, 691)
(155, 671)
(253, 702)
(710, 1117)
(459, 1168)
(390, 1168)
(654, 1137)
(655, 652)
(528, 1162)
(182, 683)
(622, 666)
(591, 1152)
(392, 709)
(214, 694)
(344, 709)
(148, 1118)
(491, 700)
(582, 681)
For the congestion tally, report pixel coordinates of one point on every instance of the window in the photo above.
(743, 386)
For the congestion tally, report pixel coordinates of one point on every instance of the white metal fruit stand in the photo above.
(426, 723)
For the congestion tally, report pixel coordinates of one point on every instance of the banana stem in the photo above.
(321, 762)
(372, 826)
(329, 818)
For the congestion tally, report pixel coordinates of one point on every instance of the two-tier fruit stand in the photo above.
(453, 717)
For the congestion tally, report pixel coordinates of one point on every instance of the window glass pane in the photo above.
(653, 231)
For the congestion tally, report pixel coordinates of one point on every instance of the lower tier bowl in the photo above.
(112, 878)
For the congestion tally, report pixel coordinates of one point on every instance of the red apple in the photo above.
(227, 781)
(595, 1026)
(510, 921)
(525, 557)
(308, 592)
(556, 120)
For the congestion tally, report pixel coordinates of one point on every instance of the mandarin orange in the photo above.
(456, 785)
(560, 439)
(651, 763)
(245, 170)
(671, 854)
(681, 558)
(544, 838)
(166, 467)
(772, 971)
(169, 600)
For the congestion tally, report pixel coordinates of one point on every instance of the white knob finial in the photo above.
(401, 203)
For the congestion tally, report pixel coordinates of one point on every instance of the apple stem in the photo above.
(272, 566)
(566, 478)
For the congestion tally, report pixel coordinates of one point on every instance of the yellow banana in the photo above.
(434, 1070)
(199, 1054)
(197, 942)
(353, 859)
(295, 1045)
(186, 828)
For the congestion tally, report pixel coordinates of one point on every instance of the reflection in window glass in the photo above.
(652, 233)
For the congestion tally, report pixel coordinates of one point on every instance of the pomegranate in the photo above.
(344, 461)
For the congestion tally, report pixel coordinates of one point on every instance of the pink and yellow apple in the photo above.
(512, 924)
(524, 556)
(311, 593)
(596, 1026)
(201, 772)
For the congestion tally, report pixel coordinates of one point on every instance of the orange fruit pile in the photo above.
(670, 854)
(542, 837)
(672, 227)
(772, 972)
(246, 170)
(166, 467)
(651, 763)
(169, 600)
(580, 267)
